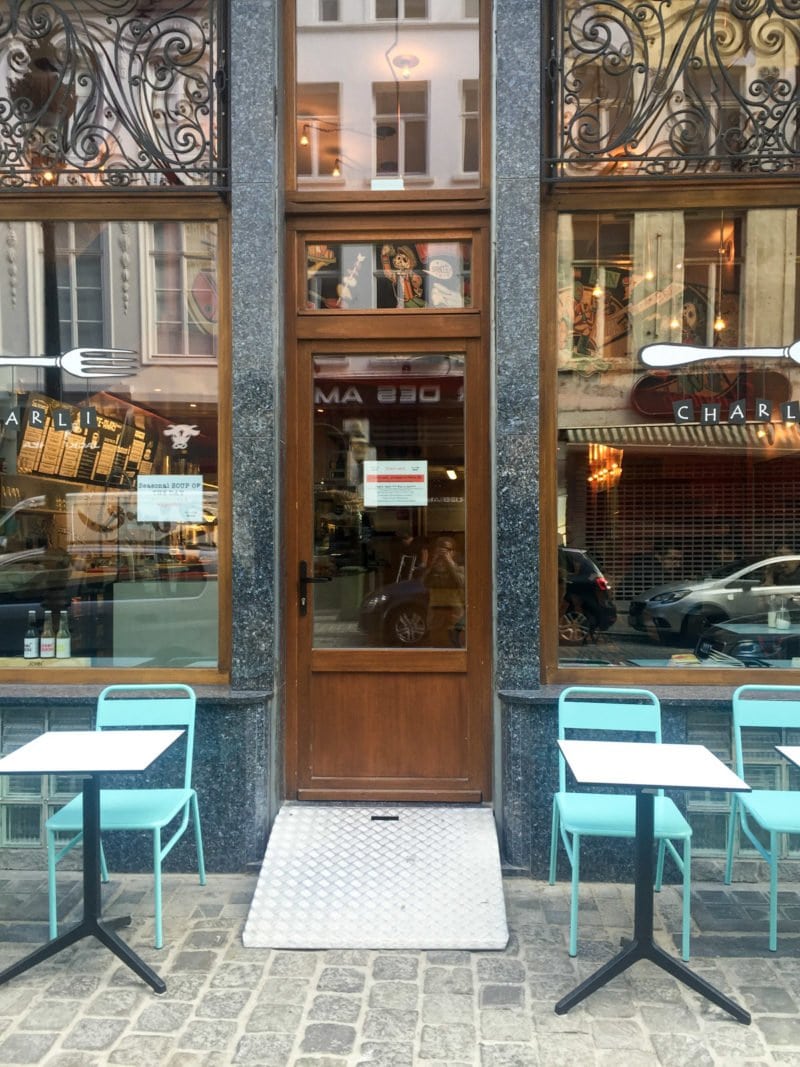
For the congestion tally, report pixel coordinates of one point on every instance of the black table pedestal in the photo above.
(91, 925)
(642, 947)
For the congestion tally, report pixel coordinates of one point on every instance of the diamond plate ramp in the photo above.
(388, 876)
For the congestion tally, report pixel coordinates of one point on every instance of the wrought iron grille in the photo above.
(695, 88)
(112, 93)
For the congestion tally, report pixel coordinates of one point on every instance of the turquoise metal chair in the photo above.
(590, 709)
(152, 810)
(775, 811)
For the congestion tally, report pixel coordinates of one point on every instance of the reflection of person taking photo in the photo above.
(444, 580)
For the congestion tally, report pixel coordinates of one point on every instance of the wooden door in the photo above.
(387, 578)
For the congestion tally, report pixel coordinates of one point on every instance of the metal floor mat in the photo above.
(388, 876)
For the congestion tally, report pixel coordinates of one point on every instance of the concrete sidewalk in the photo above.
(229, 1005)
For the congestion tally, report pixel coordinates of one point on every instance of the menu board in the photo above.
(82, 444)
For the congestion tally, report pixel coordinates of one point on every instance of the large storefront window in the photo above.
(108, 444)
(679, 438)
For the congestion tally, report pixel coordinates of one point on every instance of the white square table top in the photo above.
(88, 751)
(791, 752)
(647, 765)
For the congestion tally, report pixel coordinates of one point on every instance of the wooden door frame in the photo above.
(422, 331)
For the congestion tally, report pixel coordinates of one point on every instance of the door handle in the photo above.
(304, 580)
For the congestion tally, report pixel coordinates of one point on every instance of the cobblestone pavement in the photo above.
(228, 1005)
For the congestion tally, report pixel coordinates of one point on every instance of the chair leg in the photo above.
(52, 901)
(198, 840)
(554, 842)
(731, 840)
(103, 865)
(773, 891)
(573, 901)
(662, 846)
(686, 925)
(157, 886)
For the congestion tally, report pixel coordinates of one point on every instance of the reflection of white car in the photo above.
(744, 587)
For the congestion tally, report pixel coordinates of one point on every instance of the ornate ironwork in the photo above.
(675, 88)
(112, 93)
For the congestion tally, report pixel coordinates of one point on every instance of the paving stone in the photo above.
(448, 980)
(227, 1004)
(281, 1018)
(387, 1024)
(283, 991)
(141, 1051)
(681, 1050)
(121, 1002)
(376, 1054)
(771, 999)
(341, 980)
(394, 995)
(208, 1034)
(397, 968)
(566, 1050)
(333, 1007)
(264, 1050)
(25, 1048)
(503, 1024)
(51, 1015)
(779, 1030)
(334, 1038)
(94, 1034)
(447, 1007)
(448, 1043)
(509, 1055)
(237, 976)
(498, 969)
(165, 1018)
(620, 1034)
(502, 996)
(293, 964)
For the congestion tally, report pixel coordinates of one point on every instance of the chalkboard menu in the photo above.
(81, 444)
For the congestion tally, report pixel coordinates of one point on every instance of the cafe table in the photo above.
(646, 767)
(90, 754)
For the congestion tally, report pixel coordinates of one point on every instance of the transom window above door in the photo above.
(387, 99)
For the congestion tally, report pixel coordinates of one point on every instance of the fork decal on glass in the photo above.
(82, 362)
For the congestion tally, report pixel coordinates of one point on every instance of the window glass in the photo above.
(379, 101)
(109, 459)
(679, 438)
(394, 273)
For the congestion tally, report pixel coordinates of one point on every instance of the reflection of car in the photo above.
(586, 604)
(397, 614)
(750, 641)
(684, 609)
(152, 603)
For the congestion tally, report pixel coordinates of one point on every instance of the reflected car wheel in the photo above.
(574, 628)
(700, 621)
(406, 626)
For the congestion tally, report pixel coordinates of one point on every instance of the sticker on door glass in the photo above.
(398, 483)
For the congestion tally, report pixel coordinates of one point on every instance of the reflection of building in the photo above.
(575, 230)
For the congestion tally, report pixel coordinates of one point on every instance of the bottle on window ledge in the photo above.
(30, 649)
(47, 645)
(63, 638)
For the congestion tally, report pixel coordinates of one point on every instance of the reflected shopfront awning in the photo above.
(759, 437)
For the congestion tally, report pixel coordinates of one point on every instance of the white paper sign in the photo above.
(169, 498)
(395, 483)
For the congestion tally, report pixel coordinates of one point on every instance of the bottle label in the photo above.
(31, 648)
(47, 647)
(63, 650)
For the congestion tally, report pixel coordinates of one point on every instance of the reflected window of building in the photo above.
(109, 458)
(679, 437)
(386, 103)
(470, 104)
(81, 279)
(401, 9)
(401, 128)
(471, 9)
(328, 10)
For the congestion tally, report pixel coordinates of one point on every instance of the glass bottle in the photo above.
(30, 648)
(47, 645)
(63, 638)
(783, 619)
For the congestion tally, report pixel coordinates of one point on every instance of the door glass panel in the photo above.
(389, 496)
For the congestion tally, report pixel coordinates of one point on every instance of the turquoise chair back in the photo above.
(765, 707)
(152, 706)
(592, 708)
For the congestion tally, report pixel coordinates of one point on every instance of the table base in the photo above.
(642, 946)
(103, 930)
(647, 950)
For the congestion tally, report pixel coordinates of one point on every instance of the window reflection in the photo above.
(108, 471)
(679, 436)
(407, 110)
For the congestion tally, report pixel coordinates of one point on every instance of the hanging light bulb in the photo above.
(337, 170)
(304, 136)
(719, 322)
